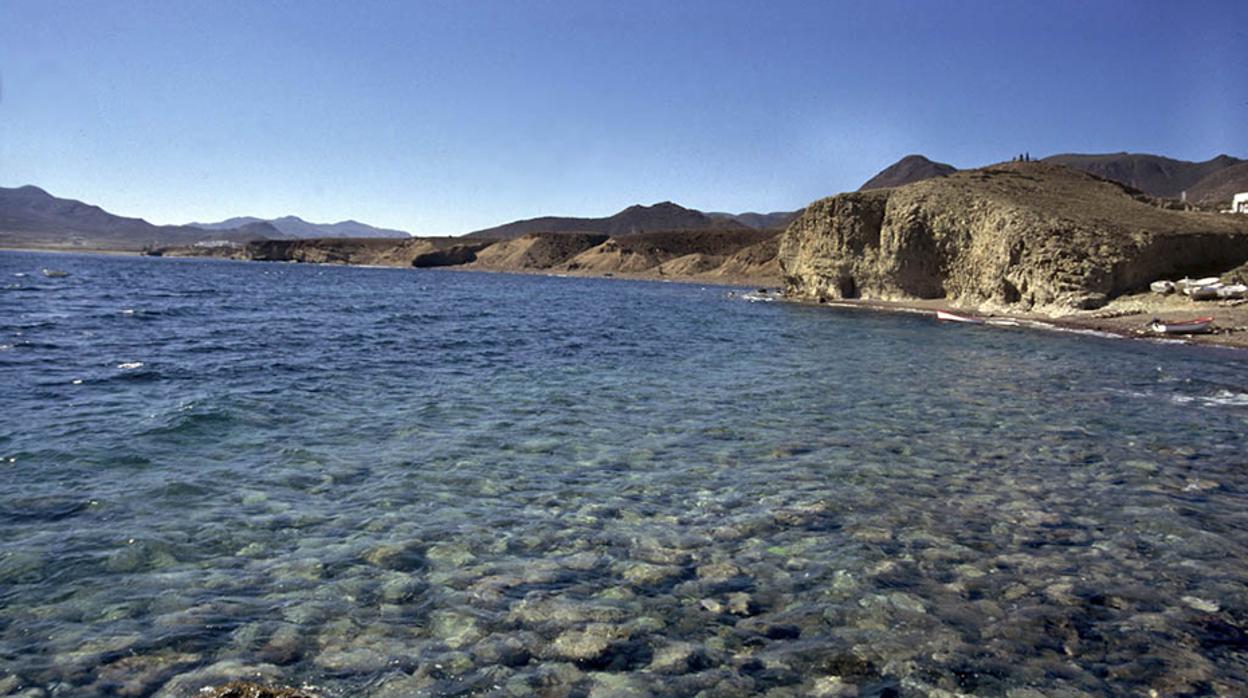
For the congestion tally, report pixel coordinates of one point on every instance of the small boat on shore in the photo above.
(1203, 293)
(953, 317)
(1200, 325)
(55, 273)
(1233, 292)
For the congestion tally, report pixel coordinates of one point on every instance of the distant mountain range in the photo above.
(634, 219)
(32, 216)
(760, 221)
(1209, 182)
(664, 216)
(1162, 176)
(294, 227)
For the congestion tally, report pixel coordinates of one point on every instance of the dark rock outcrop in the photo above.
(1029, 235)
(449, 256)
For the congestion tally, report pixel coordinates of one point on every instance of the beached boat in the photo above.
(1233, 291)
(953, 317)
(55, 273)
(1185, 283)
(1200, 325)
(1203, 293)
(1162, 287)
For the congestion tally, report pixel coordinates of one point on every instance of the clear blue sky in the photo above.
(444, 117)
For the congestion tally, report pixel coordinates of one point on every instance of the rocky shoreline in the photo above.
(1126, 318)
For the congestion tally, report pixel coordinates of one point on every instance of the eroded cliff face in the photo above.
(1020, 235)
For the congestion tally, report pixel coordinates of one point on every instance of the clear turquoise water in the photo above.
(394, 482)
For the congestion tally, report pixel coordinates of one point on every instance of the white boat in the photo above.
(1233, 291)
(953, 317)
(1200, 325)
(1186, 283)
(1203, 293)
(1162, 287)
(757, 297)
(55, 273)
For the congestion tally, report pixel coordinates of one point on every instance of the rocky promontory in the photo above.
(1024, 236)
(742, 255)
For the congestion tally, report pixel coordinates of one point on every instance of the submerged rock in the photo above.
(138, 675)
(404, 557)
(228, 674)
(243, 689)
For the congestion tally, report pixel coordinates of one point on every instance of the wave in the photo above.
(1222, 398)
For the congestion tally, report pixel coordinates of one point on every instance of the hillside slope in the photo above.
(1028, 235)
(1151, 174)
(1221, 186)
(651, 253)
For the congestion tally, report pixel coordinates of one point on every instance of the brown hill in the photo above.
(1151, 174)
(1032, 235)
(634, 219)
(1218, 188)
(535, 251)
(910, 169)
(648, 252)
(758, 261)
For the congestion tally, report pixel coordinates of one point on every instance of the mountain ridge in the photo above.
(1152, 174)
(297, 227)
(637, 218)
(30, 215)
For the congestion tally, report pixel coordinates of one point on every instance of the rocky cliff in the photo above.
(1026, 235)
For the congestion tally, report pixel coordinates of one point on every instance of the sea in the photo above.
(394, 482)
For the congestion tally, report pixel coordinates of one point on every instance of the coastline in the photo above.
(1124, 317)
(74, 250)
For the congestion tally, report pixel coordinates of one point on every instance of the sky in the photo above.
(445, 117)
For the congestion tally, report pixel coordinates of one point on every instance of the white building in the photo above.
(1239, 203)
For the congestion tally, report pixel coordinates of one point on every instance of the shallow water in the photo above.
(388, 482)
